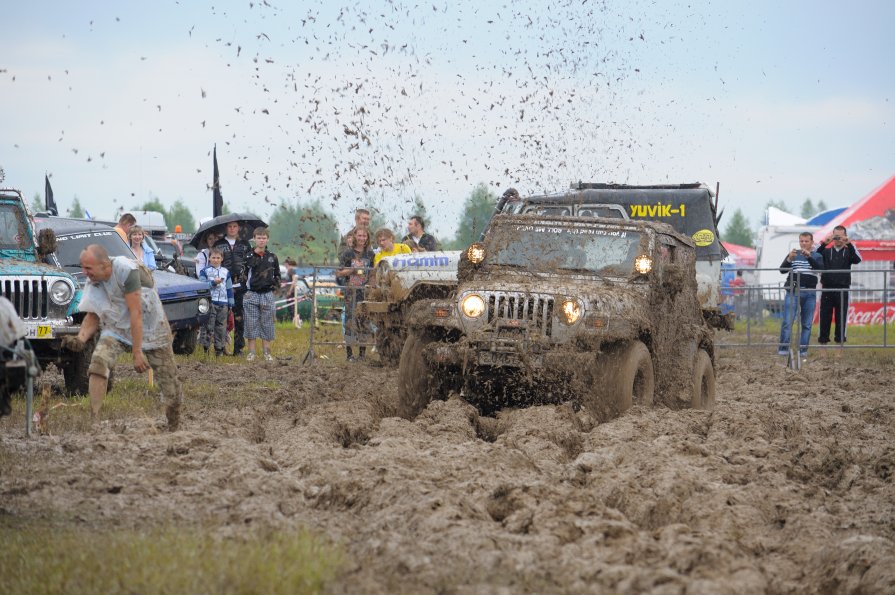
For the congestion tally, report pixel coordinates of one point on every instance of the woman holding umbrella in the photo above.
(236, 251)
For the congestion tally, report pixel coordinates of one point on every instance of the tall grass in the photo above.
(40, 558)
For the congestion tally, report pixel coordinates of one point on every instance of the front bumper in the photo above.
(47, 330)
(531, 356)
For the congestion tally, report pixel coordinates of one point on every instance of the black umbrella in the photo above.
(247, 221)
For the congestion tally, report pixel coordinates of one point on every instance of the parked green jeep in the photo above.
(45, 297)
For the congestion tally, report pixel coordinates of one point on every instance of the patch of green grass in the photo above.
(857, 335)
(129, 397)
(37, 558)
(132, 397)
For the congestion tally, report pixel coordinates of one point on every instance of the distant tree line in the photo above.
(309, 233)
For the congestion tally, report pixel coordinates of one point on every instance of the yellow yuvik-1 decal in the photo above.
(657, 210)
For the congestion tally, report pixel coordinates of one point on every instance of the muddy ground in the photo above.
(787, 487)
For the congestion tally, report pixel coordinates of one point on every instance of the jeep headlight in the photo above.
(204, 305)
(643, 264)
(476, 253)
(473, 306)
(570, 311)
(61, 292)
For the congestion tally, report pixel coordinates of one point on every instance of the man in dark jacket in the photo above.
(800, 265)
(417, 238)
(839, 254)
(236, 251)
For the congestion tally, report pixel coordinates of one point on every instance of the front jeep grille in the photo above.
(30, 296)
(532, 311)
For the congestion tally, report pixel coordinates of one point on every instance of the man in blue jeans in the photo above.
(800, 266)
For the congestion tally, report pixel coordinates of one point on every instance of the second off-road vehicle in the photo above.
(601, 312)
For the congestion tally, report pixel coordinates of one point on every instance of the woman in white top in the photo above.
(202, 256)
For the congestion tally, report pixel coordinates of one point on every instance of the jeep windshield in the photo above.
(70, 246)
(551, 247)
(13, 228)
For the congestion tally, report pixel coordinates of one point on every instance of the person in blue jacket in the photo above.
(222, 299)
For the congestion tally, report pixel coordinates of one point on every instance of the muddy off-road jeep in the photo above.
(691, 209)
(44, 296)
(600, 312)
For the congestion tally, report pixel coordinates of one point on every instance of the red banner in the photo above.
(865, 313)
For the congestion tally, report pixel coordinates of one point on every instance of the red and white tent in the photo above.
(870, 223)
(744, 255)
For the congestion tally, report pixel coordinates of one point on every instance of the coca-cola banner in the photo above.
(865, 313)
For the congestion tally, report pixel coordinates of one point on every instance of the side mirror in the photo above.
(46, 243)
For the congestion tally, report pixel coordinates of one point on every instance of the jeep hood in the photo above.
(526, 282)
(15, 266)
(173, 286)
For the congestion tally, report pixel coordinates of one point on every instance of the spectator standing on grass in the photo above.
(417, 238)
(356, 263)
(236, 251)
(214, 331)
(800, 265)
(144, 255)
(838, 254)
(385, 238)
(125, 222)
(121, 303)
(262, 278)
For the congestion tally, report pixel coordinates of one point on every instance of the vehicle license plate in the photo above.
(41, 331)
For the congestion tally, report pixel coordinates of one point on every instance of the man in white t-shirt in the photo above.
(122, 304)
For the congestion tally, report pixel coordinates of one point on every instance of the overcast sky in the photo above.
(373, 103)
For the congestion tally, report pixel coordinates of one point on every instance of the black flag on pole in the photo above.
(217, 208)
(49, 203)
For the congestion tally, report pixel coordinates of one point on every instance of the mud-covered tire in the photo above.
(75, 371)
(388, 346)
(185, 341)
(632, 380)
(418, 383)
(703, 385)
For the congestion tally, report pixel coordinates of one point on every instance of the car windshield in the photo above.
(169, 250)
(13, 229)
(70, 246)
(547, 248)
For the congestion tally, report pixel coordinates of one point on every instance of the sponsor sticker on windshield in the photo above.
(574, 231)
(92, 234)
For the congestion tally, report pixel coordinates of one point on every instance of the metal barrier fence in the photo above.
(865, 303)
(330, 302)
